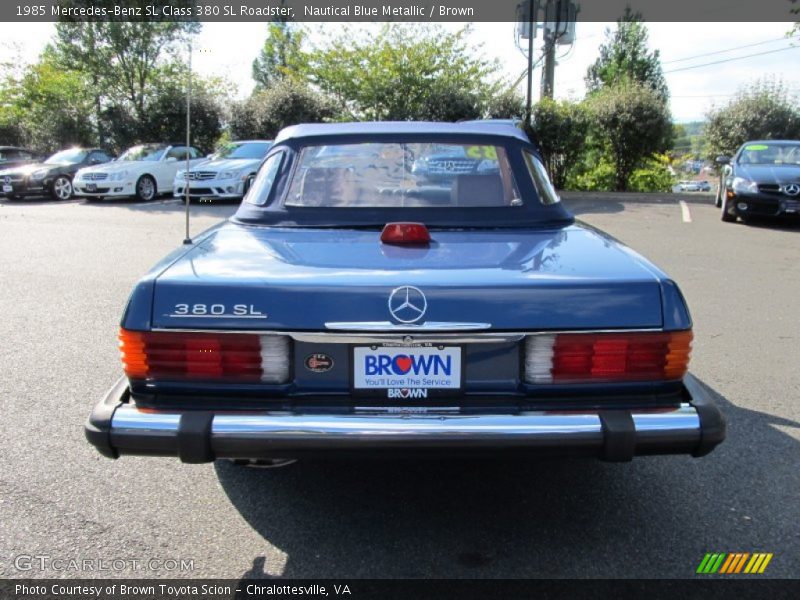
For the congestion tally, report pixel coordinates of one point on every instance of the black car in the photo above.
(52, 176)
(762, 180)
(12, 156)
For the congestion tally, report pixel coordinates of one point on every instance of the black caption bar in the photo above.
(248, 589)
(393, 10)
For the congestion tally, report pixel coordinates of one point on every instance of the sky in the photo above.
(227, 49)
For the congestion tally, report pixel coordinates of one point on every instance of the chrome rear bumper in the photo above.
(117, 427)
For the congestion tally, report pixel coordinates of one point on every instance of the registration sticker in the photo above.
(756, 147)
(406, 368)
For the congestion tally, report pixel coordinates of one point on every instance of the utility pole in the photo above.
(549, 69)
(531, 30)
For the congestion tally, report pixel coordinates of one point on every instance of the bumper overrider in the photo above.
(117, 427)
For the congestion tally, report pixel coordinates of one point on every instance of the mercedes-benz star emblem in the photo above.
(407, 304)
(7, 180)
(791, 189)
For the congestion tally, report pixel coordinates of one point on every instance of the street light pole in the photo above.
(188, 239)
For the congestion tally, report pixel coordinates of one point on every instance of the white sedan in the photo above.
(142, 172)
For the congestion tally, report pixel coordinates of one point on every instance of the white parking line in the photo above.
(685, 214)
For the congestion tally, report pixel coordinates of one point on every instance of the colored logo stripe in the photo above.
(734, 562)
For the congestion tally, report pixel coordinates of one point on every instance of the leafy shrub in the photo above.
(288, 102)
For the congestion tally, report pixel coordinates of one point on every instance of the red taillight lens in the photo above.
(580, 357)
(405, 233)
(205, 356)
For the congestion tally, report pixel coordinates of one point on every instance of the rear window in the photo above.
(389, 175)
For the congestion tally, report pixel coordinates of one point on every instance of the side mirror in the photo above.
(723, 160)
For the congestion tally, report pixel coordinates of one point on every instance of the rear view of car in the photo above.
(352, 306)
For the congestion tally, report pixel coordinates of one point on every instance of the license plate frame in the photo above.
(457, 376)
(91, 187)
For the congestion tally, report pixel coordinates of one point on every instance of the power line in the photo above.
(677, 60)
(726, 60)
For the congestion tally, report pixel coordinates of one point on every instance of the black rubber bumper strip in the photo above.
(98, 426)
(194, 437)
(712, 423)
(619, 435)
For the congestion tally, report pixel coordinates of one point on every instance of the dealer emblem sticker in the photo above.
(319, 363)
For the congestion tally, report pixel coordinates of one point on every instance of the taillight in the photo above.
(405, 233)
(205, 356)
(586, 358)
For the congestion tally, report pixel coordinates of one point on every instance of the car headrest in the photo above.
(477, 190)
(328, 186)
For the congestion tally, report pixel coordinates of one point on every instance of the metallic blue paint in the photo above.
(520, 279)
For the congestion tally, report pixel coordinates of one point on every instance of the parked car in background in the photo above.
(362, 310)
(705, 186)
(228, 173)
(12, 156)
(444, 162)
(687, 186)
(143, 172)
(53, 176)
(762, 179)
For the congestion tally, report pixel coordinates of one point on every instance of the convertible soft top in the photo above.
(291, 141)
(400, 128)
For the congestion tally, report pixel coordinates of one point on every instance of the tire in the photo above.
(146, 188)
(726, 216)
(61, 188)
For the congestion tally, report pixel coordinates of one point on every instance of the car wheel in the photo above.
(145, 188)
(61, 188)
(727, 217)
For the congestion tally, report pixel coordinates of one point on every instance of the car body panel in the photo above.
(551, 279)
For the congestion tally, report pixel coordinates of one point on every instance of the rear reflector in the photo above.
(595, 357)
(205, 356)
(405, 233)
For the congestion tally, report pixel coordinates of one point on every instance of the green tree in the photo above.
(402, 73)
(560, 128)
(506, 105)
(47, 108)
(630, 123)
(120, 59)
(624, 56)
(282, 55)
(287, 102)
(763, 110)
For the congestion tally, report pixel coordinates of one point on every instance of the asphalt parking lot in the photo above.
(65, 273)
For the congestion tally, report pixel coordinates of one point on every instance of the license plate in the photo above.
(407, 370)
(91, 187)
(8, 188)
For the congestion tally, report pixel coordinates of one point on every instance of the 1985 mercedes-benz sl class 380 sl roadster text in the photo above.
(354, 305)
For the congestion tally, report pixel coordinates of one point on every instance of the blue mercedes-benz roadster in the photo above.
(355, 305)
